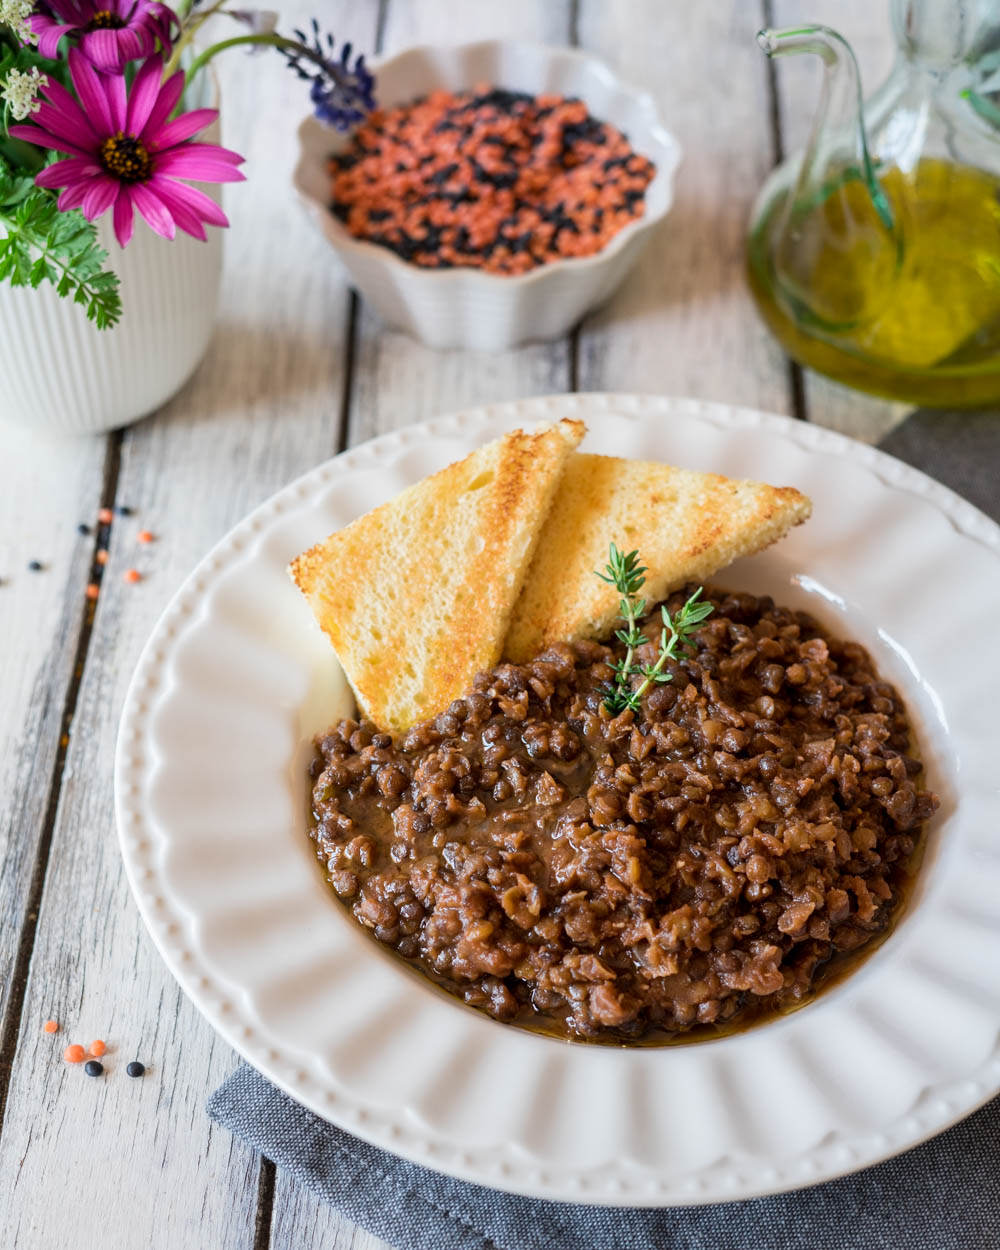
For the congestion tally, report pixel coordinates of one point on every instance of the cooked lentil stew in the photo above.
(699, 866)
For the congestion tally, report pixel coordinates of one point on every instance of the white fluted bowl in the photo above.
(466, 307)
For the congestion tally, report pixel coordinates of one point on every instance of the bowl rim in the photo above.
(667, 164)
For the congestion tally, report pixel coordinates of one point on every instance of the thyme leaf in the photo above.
(627, 575)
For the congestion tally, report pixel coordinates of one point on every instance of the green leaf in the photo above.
(41, 244)
(627, 575)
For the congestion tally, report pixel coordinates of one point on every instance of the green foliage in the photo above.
(23, 57)
(42, 244)
(625, 573)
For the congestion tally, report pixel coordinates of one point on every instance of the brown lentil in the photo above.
(701, 864)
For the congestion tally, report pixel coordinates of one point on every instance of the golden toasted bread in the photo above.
(416, 596)
(686, 526)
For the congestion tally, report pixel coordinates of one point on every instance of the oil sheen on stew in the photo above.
(641, 878)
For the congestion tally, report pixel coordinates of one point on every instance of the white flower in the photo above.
(20, 91)
(15, 14)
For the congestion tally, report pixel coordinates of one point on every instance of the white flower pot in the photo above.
(59, 373)
(62, 374)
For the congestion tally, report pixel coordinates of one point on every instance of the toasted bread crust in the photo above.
(686, 526)
(416, 596)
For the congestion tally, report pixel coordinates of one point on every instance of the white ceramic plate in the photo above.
(212, 811)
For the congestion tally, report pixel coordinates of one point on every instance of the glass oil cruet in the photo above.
(874, 254)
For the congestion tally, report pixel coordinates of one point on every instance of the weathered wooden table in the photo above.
(300, 369)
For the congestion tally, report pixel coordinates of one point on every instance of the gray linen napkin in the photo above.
(943, 1195)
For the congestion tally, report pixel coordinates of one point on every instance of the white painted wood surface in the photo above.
(120, 1163)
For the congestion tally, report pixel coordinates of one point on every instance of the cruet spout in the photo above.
(828, 218)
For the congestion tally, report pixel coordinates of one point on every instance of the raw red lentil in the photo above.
(488, 179)
(51, 1026)
(74, 1053)
(132, 575)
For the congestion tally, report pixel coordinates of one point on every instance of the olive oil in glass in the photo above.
(874, 256)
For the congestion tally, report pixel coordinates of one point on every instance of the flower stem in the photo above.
(269, 39)
(187, 34)
(275, 41)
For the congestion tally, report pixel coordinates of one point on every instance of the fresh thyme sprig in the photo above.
(628, 576)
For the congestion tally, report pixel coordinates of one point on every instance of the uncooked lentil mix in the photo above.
(488, 179)
(704, 863)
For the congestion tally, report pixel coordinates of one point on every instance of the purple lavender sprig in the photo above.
(342, 94)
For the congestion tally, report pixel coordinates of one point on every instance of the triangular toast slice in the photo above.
(686, 526)
(416, 596)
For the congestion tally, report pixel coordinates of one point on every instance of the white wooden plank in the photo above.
(138, 1162)
(302, 1222)
(46, 487)
(397, 380)
(684, 323)
(866, 27)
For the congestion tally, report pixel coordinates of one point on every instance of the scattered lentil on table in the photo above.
(132, 576)
(105, 516)
(97, 1048)
(74, 1053)
(489, 179)
(51, 1026)
(93, 1068)
(135, 1068)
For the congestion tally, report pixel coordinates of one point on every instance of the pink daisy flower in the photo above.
(124, 153)
(109, 33)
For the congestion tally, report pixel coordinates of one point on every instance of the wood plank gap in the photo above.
(380, 24)
(773, 107)
(573, 360)
(26, 939)
(265, 1204)
(574, 27)
(796, 382)
(350, 354)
